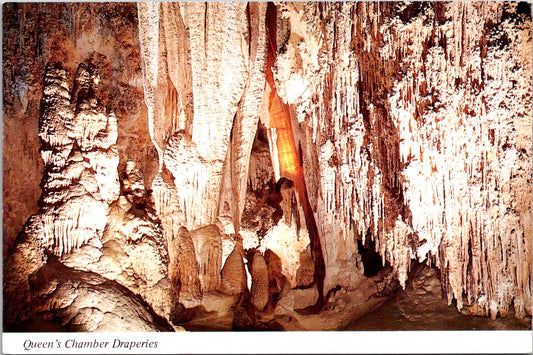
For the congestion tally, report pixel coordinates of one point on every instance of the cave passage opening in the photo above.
(372, 261)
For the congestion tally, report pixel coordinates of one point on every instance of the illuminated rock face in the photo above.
(132, 250)
(204, 85)
(190, 169)
(88, 302)
(80, 160)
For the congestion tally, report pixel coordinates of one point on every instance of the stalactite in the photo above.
(191, 174)
(289, 138)
(474, 198)
(247, 116)
(188, 78)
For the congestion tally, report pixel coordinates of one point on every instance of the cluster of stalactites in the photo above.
(208, 91)
(443, 84)
(467, 152)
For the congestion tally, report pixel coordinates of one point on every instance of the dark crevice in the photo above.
(372, 262)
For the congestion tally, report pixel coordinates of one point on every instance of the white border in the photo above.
(386, 342)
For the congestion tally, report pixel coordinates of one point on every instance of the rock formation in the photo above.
(234, 274)
(225, 165)
(84, 224)
(208, 246)
(259, 289)
(415, 134)
(133, 251)
(183, 269)
(80, 159)
(87, 302)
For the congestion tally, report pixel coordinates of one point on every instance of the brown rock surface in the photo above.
(234, 274)
(259, 289)
(183, 269)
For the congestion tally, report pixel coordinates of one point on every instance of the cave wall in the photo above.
(411, 121)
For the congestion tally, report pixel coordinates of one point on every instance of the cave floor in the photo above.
(412, 309)
(421, 306)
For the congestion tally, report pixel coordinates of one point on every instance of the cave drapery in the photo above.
(194, 150)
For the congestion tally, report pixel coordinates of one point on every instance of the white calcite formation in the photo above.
(109, 248)
(132, 250)
(80, 158)
(417, 120)
(203, 65)
(465, 138)
(203, 91)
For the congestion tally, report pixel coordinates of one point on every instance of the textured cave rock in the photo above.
(184, 270)
(25, 258)
(133, 251)
(259, 289)
(224, 165)
(207, 90)
(420, 306)
(36, 35)
(80, 159)
(84, 301)
(234, 273)
(208, 246)
(78, 220)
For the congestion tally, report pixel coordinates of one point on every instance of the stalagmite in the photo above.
(83, 153)
(56, 120)
(183, 269)
(259, 289)
(234, 274)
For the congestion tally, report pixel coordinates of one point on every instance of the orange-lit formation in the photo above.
(280, 120)
(289, 164)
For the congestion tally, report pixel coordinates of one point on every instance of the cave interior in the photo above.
(267, 166)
